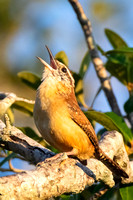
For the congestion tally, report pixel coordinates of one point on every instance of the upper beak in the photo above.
(53, 64)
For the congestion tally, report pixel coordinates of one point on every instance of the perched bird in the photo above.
(60, 120)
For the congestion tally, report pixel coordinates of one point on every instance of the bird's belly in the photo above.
(63, 133)
(66, 135)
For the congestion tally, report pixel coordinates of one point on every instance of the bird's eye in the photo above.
(64, 69)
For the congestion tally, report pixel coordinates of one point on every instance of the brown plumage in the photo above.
(60, 120)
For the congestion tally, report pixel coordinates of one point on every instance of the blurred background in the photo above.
(25, 28)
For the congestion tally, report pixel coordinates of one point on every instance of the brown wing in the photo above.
(79, 118)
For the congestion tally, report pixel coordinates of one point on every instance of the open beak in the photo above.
(53, 64)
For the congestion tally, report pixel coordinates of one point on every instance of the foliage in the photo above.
(111, 121)
(119, 60)
(126, 192)
(30, 79)
(119, 64)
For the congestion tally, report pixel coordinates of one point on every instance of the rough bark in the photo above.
(14, 140)
(7, 99)
(64, 175)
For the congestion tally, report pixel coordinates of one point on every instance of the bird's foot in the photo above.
(58, 157)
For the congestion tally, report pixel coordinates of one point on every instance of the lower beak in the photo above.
(53, 64)
(44, 63)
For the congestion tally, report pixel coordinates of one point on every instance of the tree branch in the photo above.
(98, 63)
(63, 175)
(14, 140)
(7, 99)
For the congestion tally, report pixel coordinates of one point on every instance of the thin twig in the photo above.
(98, 63)
(20, 157)
(4, 155)
(99, 194)
(14, 169)
(97, 93)
(5, 170)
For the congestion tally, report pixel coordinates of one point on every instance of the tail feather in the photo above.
(112, 165)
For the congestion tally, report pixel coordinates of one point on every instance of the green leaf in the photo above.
(69, 197)
(64, 197)
(120, 65)
(10, 115)
(79, 89)
(111, 121)
(31, 133)
(115, 39)
(79, 92)
(126, 193)
(25, 106)
(30, 79)
(102, 119)
(101, 132)
(12, 155)
(128, 106)
(125, 50)
(79, 79)
(97, 93)
(76, 77)
(62, 57)
(120, 123)
(84, 65)
(51, 148)
(117, 70)
(112, 193)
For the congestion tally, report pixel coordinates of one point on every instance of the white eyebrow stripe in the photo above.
(70, 74)
(63, 65)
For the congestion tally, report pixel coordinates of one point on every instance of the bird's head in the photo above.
(57, 71)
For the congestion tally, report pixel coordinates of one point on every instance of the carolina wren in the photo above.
(60, 120)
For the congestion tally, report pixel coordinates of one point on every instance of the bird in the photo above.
(60, 120)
